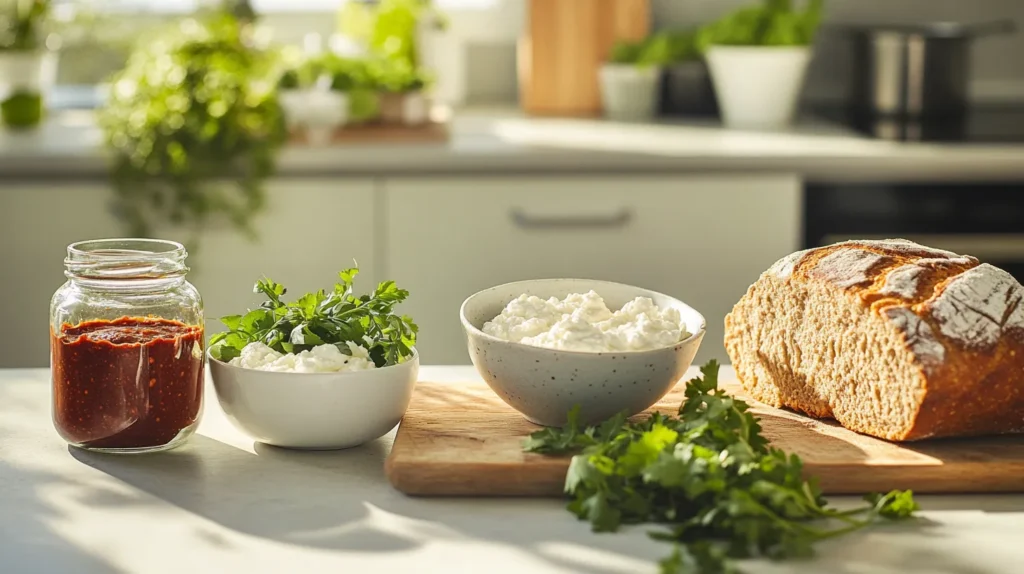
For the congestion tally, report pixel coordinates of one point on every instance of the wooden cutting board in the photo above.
(462, 440)
(563, 46)
(374, 133)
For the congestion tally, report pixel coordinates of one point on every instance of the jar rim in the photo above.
(126, 248)
(125, 258)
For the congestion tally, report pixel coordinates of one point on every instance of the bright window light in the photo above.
(264, 6)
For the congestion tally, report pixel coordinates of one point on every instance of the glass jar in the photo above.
(126, 347)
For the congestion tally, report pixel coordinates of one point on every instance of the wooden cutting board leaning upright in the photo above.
(564, 45)
(460, 439)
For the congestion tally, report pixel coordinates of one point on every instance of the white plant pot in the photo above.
(444, 53)
(34, 71)
(415, 108)
(758, 87)
(293, 103)
(629, 92)
(318, 112)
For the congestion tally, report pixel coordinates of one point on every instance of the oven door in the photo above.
(983, 220)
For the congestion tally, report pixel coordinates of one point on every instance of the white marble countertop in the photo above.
(504, 141)
(223, 504)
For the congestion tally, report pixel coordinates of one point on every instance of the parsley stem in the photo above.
(850, 512)
(824, 534)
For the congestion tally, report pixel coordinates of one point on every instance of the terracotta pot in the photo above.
(391, 107)
(406, 108)
(415, 109)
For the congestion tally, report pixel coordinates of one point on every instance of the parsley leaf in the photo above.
(601, 513)
(568, 438)
(895, 505)
(332, 318)
(710, 475)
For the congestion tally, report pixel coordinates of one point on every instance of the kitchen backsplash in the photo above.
(995, 76)
(483, 34)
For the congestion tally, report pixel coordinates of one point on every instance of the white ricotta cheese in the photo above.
(583, 322)
(320, 359)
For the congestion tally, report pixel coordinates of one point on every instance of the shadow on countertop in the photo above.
(30, 544)
(340, 500)
(265, 495)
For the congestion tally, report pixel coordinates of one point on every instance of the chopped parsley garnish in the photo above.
(322, 318)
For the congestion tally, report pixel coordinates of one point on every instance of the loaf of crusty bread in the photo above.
(889, 338)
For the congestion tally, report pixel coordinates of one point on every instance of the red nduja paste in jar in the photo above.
(126, 383)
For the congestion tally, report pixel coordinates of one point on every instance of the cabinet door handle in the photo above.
(613, 220)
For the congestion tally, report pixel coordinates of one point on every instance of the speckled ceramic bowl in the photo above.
(544, 384)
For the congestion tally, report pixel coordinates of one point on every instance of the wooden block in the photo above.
(565, 43)
(462, 440)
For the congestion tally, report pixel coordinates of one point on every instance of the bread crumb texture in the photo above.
(890, 338)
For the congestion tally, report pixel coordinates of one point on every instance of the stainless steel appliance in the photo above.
(990, 124)
(984, 220)
(914, 71)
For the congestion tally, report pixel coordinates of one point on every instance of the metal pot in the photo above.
(915, 71)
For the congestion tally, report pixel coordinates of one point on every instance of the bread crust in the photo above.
(961, 322)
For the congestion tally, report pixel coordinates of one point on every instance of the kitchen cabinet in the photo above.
(37, 222)
(702, 239)
(310, 229)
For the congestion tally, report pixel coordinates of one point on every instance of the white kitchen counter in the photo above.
(503, 141)
(223, 504)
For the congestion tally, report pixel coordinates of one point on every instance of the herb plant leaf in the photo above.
(194, 127)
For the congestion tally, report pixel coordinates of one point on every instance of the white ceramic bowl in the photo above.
(544, 384)
(316, 411)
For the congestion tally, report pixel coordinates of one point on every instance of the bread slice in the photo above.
(889, 338)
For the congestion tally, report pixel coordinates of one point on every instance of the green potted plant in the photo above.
(389, 30)
(758, 57)
(27, 68)
(309, 101)
(291, 94)
(355, 78)
(403, 98)
(195, 142)
(629, 81)
(327, 92)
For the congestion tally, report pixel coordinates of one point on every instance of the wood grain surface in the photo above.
(564, 45)
(462, 440)
(428, 133)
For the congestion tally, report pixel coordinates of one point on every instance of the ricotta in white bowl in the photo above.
(320, 359)
(583, 322)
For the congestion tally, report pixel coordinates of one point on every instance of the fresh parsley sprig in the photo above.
(320, 318)
(709, 474)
